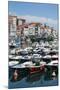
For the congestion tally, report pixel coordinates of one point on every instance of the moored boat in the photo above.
(32, 67)
(12, 44)
(12, 63)
(54, 57)
(53, 63)
(47, 58)
(13, 57)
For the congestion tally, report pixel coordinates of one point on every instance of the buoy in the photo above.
(42, 67)
(15, 75)
(53, 74)
(45, 69)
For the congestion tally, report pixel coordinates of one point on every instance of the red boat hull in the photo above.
(36, 69)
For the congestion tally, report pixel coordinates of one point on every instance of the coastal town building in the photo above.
(31, 30)
(12, 27)
(18, 26)
(20, 21)
(26, 31)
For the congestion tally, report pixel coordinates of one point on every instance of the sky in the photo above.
(35, 12)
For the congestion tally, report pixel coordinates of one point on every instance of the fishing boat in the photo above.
(26, 58)
(10, 56)
(32, 67)
(12, 44)
(54, 57)
(47, 58)
(23, 52)
(53, 66)
(47, 45)
(38, 67)
(36, 50)
(23, 65)
(46, 50)
(29, 49)
(36, 56)
(12, 52)
(12, 63)
(13, 57)
(53, 63)
(53, 52)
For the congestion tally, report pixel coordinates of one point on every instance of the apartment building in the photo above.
(12, 25)
(20, 26)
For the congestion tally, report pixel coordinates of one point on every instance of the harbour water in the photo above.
(49, 76)
(26, 80)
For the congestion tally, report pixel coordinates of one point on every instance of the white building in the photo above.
(54, 33)
(39, 31)
(49, 31)
(31, 30)
(12, 25)
(20, 21)
(26, 31)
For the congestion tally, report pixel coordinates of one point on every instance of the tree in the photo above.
(50, 38)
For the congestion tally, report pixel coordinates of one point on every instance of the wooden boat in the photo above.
(12, 45)
(32, 67)
(14, 58)
(12, 63)
(36, 69)
(53, 63)
(54, 57)
(47, 58)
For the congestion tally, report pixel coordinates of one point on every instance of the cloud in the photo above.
(51, 22)
(29, 18)
(33, 18)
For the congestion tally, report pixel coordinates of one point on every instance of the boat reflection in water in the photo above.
(34, 77)
(17, 74)
(49, 77)
(42, 77)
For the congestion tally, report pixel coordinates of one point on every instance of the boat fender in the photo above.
(15, 75)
